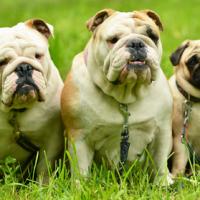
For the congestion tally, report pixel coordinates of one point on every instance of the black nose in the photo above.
(24, 69)
(136, 44)
(137, 50)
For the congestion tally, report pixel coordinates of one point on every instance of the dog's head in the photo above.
(24, 62)
(127, 44)
(186, 59)
(124, 51)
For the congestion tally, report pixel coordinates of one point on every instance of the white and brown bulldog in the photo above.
(119, 66)
(185, 86)
(30, 92)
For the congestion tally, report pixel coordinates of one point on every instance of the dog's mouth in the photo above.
(22, 90)
(24, 94)
(136, 65)
(25, 89)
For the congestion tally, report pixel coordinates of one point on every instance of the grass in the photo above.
(181, 21)
(101, 185)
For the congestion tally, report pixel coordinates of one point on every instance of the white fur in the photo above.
(93, 105)
(41, 122)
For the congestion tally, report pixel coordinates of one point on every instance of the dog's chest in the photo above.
(102, 121)
(194, 127)
(105, 124)
(8, 145)
(8, 134)
(106, 139)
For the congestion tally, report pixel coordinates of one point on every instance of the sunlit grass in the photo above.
(102, 184)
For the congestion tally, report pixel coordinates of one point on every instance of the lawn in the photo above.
(180, 20)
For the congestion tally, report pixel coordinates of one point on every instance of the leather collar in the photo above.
(187, 95)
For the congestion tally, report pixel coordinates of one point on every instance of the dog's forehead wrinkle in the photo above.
(190, 51)
(117, 31)
(17, 49)
(119, 18)
(120, 29)
(196, 49)
(21, 45)
(124, 24)
(9, 49)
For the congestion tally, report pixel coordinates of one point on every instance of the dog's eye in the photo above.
(152, 35)
(38, 55)
(4, 62)
(192, 62)
(113, 40)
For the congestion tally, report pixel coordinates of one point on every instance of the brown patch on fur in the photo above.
(69, 99)
(98, 18)
(155, 17)
(40, 26)
(151, 18)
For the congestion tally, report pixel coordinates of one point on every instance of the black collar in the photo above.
(20, 138)
(19, 110)
(187, 95)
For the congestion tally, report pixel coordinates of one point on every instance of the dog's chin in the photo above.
(131, 71)
(137, 66)
(24, 97)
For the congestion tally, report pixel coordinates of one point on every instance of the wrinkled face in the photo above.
(23, 66)
(128, 47)
(187, 58)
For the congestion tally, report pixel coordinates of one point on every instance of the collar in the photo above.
(20, 138)
(187, 95)
(124, 144)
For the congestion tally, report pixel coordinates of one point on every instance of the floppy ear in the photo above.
(155, 17)
(99, 18)
(176, 55)
(41, 26)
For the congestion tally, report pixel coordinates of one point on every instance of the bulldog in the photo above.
(30, 92)
(119, 67)
(185, 86)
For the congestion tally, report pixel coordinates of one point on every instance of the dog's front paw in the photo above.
(164, 180)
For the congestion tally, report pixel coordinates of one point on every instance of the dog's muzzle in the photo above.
(25, 82)
(138, 55)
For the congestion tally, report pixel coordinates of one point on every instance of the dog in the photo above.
(30, 93)
(185, 87)
(119, 69)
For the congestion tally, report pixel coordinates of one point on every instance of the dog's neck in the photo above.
(123, 93)
(185, 85)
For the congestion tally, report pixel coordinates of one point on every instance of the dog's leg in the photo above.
(49, 153)
(179, 158)
(81, 155)
(159, 151)
(42, 167)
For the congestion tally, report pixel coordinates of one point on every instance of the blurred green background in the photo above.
(181, 20)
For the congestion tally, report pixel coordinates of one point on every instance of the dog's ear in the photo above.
(155, 17)
(99, 18)
(176, 55)
(41, 26)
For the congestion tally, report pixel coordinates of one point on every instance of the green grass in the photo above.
(101, 185)
(181, 21)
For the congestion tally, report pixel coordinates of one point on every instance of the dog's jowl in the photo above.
(185, 86)
(30, 95)
(118, 73)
